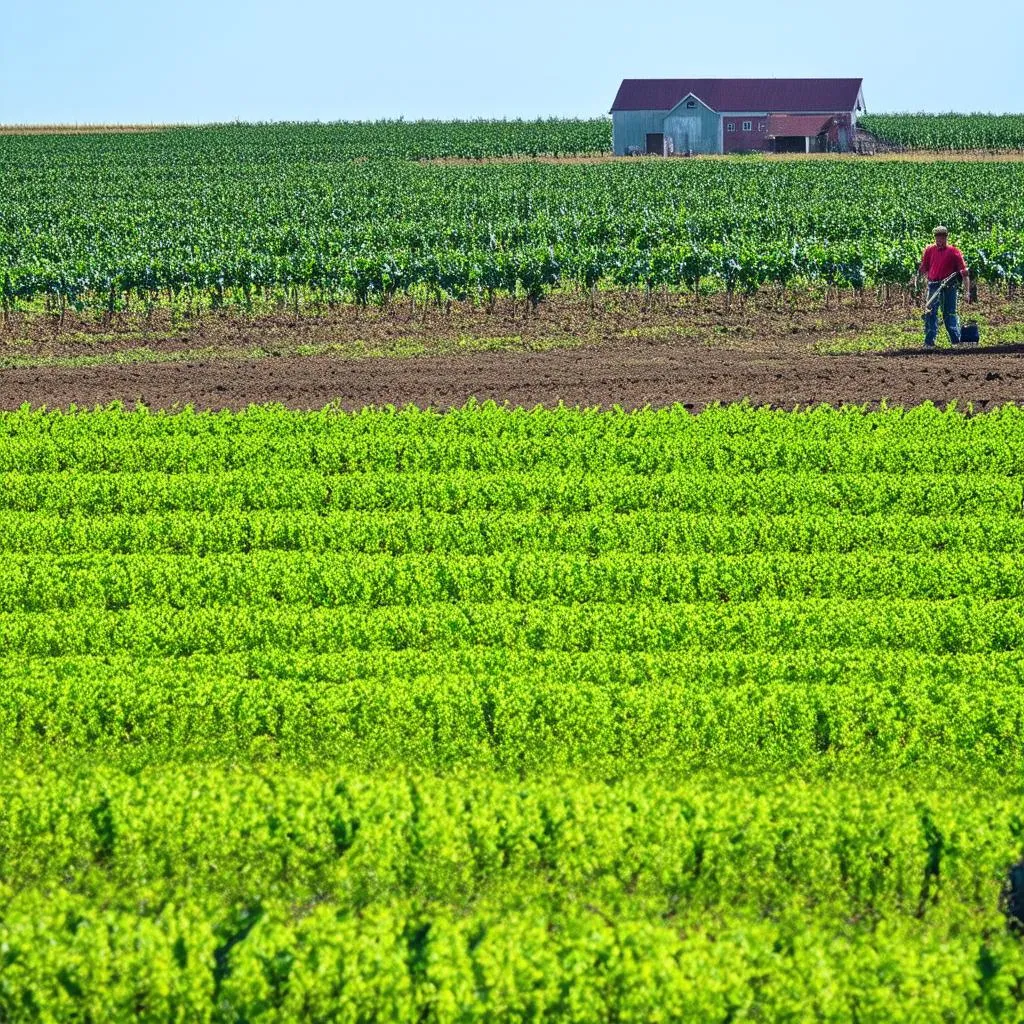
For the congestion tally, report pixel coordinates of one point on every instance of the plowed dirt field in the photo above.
(626, 355)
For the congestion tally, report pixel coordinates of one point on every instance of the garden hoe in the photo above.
(968, 331)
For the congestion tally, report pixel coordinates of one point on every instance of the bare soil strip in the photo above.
(630, 374)
(626, 352)
(766, 322)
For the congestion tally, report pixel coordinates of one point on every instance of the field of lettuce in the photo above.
(504, 715)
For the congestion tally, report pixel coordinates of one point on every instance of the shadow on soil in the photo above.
(960, 350)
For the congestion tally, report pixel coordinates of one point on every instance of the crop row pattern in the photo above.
(511, 715)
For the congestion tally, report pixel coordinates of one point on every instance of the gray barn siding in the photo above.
(693, 128)
(696, 129)
(630, 128)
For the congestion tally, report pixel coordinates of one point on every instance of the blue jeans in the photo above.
(949, 317)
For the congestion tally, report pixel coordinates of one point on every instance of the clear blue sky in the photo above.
(220, 60)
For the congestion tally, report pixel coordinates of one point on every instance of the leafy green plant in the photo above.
(505, 713)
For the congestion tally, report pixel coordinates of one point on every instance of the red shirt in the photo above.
(938, 263)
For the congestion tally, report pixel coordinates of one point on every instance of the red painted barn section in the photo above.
(817, 133)
(831, 132)
(840, 132)
(743, 139)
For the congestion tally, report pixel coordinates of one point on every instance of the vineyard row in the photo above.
(192, 223)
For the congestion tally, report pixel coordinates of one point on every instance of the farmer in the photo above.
(939, 262)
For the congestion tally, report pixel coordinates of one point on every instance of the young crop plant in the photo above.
(502, 714)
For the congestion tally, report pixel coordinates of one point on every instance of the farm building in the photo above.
(735, 115)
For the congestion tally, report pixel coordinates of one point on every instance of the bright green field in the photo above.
(501, 715)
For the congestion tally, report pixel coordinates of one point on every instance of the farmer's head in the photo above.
(941, 236)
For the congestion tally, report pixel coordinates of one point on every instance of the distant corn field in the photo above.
(948, 131)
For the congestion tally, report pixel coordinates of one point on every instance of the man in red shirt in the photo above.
(939, 262)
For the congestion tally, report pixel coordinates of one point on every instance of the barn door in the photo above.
(684, 132)
(656, 143)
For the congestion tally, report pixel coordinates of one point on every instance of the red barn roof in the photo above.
(797, 95)
(781, 125)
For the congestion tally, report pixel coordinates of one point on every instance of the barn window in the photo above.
(691, 103)
(760, 126)
(746, 126)
(731, 126)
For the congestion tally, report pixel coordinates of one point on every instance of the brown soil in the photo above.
(624, 354)
(631, 375)
(766, 322)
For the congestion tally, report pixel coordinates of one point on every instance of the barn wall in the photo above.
(693, 128)
(702, 130)
(740, 141)
(630, 128)
(841, 132)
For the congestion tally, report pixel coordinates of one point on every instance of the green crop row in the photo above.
(892, 450)
(227, 895)
(222, 835)
(552, 492)
(574, 960)
(260, 580)
(66, 436)
(327, 142)
(609, 714)
(482, 532)
(958, 625)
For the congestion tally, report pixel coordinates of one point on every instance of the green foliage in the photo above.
(397, 139)
(510, 715)
(280, 215)
(948, 131)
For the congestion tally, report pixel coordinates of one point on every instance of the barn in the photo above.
(735, 115)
